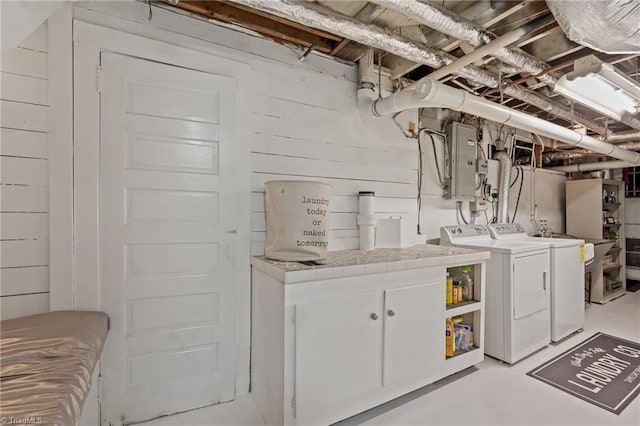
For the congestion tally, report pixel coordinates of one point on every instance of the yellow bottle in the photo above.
(449, 289)
(450, 344)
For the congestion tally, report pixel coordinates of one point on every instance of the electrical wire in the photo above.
(515, 212)
(516, 178)
(484, 154)
(420, 173)
(404, 132)
(459, 203)
(435, 156)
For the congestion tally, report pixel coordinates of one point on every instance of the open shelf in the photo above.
(462, 359)
(612, 205)
(460, 353)
(614, 286)
(585, 220)
(462, 308)
(611, 267)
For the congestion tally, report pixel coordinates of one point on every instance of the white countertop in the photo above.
(345, 263)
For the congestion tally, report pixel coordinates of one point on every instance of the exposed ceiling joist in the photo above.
(527, 85)
(269, 25)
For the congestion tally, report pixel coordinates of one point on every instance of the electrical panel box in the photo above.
(462, 150)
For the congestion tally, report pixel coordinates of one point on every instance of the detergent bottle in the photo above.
(466, 283)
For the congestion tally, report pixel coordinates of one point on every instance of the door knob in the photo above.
(390, 312)
(374, 316)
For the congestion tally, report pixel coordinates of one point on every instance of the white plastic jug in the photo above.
(297, 220)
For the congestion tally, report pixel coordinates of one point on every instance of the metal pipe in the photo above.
(315, 16)
(550, 157)
(589, 167)
(431, 94)
(630, 135)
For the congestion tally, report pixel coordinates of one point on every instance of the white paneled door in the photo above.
(167, 238)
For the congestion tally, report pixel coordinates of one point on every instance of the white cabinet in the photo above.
(344, 334)
(326, 349)
(412, 323)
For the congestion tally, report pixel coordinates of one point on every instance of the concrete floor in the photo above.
(492, 393)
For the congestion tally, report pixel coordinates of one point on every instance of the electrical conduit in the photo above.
(505, 182)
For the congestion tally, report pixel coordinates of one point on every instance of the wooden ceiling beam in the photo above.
(319, 33)
(269, 25)
(369, 13)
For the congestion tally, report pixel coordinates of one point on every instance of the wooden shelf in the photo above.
(611, 225)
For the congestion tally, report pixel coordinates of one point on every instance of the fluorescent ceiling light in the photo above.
(600, 86)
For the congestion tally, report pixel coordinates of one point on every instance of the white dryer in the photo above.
(566, 277)
(517, 319)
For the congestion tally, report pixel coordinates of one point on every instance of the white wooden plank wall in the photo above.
(305, 126)
(24, 198)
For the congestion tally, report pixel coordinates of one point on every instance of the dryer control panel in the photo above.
(454, 232)
(508, 228)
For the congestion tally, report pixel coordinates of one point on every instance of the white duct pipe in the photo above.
(505, 182)
(479, 53)
(432, 94)
(589, 167)
(491, 47)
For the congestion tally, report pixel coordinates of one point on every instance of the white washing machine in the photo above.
(566, 277)
(517, 318)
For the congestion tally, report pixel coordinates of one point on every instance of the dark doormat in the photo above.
(603, 370)
(633, 285)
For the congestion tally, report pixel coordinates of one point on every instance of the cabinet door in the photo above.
(337, 350)
(413, 332)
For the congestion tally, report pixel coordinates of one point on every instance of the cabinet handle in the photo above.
(390, 312)
(544, 280)
(374, 316)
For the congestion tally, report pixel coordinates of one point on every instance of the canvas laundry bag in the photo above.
(297, 220)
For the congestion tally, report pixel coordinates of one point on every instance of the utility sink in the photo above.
(601, 247)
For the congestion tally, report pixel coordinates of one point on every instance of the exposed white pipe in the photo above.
(588, 167)
(479, 53)
(433, 94)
